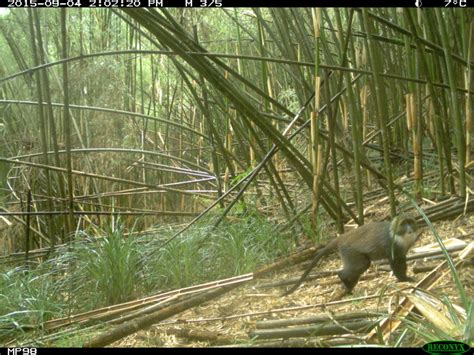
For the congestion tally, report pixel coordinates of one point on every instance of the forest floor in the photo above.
(228, 320)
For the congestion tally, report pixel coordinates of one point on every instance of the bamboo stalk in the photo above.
(350, 327)
(316, 147)
(328, 317)
(51, 120)
(43, 128)
(453, 104)
(468, 102)
(67, 125)
(382, 112)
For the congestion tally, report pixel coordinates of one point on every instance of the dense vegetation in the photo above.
(154, 149)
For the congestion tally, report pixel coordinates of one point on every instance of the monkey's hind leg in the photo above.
(354, 265)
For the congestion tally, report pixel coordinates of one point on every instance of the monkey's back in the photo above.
(370, 239)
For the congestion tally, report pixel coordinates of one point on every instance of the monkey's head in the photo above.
(403, 229)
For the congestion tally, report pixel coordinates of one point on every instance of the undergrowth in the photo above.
(95, 271)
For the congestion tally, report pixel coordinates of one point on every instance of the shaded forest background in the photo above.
(221, 137)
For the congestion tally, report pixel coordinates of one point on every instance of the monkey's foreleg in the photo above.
(399, 267)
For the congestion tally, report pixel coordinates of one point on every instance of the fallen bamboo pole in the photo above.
(119, 309)
(359, 326)
(277, 323)
(388, 325)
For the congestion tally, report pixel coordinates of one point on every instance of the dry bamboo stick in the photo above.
(133, 305)
(391, 323)
(358, 326)
(269, 324)
(135, 325)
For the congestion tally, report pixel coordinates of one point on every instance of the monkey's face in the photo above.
(403, 230)
(407, 231)
(407, 226)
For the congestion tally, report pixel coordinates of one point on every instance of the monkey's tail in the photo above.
(326, 250)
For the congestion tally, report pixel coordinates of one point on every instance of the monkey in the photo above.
(370, 242)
